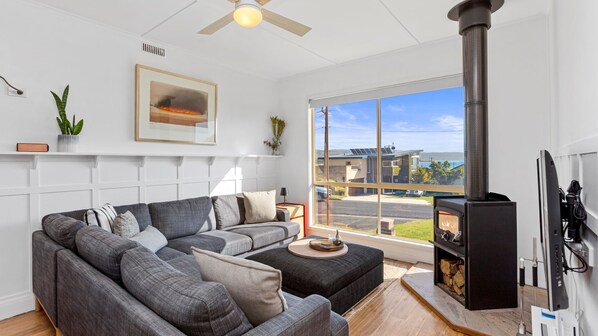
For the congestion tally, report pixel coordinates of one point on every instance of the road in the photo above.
(362, 215)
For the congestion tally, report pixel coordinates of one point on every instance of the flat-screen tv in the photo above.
(551, 231)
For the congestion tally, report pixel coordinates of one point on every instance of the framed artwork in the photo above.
(176, 108)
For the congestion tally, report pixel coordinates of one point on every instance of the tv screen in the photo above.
(551, 231)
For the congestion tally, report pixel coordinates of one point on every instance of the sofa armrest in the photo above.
(283, 215)
(309, 317)
(44, 251)
(89, 303)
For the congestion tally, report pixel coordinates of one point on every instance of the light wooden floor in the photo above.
(388, 310)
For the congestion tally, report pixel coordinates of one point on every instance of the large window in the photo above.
(379, 158)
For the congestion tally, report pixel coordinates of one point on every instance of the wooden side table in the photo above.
(297, 215)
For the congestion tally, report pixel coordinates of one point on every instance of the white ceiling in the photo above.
(343, 30)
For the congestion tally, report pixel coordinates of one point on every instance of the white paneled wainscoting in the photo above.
(35, 184)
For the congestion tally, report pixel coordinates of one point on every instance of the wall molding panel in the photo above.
(33, 185)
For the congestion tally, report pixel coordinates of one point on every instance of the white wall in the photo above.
(575, 70)
(518, 108)
(43, 50)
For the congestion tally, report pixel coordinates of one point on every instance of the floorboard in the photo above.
(388, 310)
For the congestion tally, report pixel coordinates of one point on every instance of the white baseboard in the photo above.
(16, 304)
(393, 248)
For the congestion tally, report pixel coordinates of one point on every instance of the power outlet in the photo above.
(13, 93)
(587, 252)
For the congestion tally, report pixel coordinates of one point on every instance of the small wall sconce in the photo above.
(19, 92)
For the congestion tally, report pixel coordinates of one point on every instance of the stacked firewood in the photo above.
(453, 274)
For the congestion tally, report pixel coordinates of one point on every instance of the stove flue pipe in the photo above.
(474, 22)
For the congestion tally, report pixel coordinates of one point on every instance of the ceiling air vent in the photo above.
(154, 50)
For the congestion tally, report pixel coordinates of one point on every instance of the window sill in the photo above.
(402, 250)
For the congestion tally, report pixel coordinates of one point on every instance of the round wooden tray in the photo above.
(301, 248)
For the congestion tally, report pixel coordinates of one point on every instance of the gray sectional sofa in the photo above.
(92, 282)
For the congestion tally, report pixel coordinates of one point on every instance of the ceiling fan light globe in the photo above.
(247, 15)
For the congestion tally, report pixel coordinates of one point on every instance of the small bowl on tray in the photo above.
(326, 245)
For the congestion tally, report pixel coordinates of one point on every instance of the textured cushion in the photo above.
(229, 210)
(151, 238)
(139, 210)
(125, 225)
(322, 276)
(255, 287)
(186, 264)
(62, 230)
(102, 217)
(265, 234)
(167, 253)
(234, 243)
(260, 206)
(182, 218)
(193, 306)
(201, 241)
(103, 250)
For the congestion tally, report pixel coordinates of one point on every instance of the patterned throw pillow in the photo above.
(125, 225)
(102, 217)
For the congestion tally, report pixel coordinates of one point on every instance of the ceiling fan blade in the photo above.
(217, 25)
(285, 23)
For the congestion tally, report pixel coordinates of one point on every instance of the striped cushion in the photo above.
(102, 217)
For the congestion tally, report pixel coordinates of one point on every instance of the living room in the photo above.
(541, 61)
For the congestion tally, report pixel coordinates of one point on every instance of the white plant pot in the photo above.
(67, 143)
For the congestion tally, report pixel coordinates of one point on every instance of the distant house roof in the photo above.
(364, 153)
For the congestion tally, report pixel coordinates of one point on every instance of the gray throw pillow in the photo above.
(151, 238)
(125, 225)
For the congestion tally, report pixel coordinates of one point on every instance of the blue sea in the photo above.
(453, 163)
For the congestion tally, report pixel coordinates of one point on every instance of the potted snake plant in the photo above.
(70, 130)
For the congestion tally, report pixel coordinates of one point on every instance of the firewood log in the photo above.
(459, 279)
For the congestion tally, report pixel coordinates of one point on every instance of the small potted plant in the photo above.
(69, 137)
(278, 126)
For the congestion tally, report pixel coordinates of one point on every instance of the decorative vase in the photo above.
(67, 143)
(274, 151)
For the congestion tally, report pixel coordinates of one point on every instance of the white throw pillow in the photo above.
(102, 217)
(260, 206)
(151, 238)
(255, 287)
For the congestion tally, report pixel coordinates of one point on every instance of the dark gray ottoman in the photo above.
(344, 280)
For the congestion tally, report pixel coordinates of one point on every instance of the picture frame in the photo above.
(170, 107)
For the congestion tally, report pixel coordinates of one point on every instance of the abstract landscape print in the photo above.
(172, 107)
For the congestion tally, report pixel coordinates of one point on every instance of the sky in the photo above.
(432, 121)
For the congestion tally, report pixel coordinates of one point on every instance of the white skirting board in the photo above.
(16, 304)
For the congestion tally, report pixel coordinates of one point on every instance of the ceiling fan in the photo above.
(249, 13)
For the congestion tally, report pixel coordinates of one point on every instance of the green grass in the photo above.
(429, 199)
(418, 230)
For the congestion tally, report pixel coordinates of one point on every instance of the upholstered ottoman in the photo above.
(344, 280)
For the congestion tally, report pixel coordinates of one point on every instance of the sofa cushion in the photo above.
(193, 306)
(229, 210)
(234, 243)
(103, 250)
(125, 225)
(140, 211)
(186, 264)
(204, 242)
(62, 230)
(255, 287)
(151, 238)
(264, 234)
(167, 253)
(260, 206)
(183, 218)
